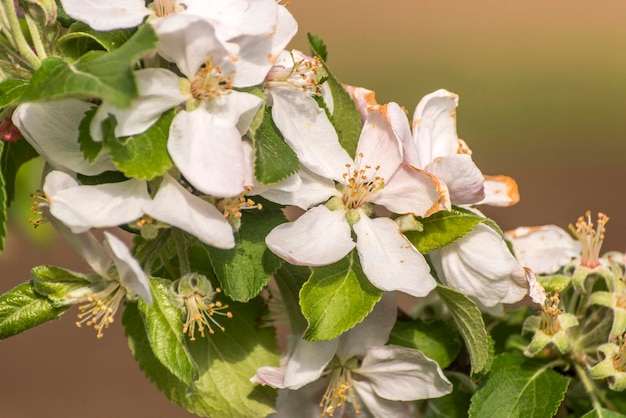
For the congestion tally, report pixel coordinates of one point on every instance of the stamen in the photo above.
(200, 312)
(210, 82)
(619, 361)
(231, 207)
(550, 312)
(360, 184)
(590, 239)
(100, 307)
(39, 199)
(339, 391)
(299, 71)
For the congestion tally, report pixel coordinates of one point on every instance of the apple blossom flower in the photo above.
(323, 235)
(612, 366)
(356, 372)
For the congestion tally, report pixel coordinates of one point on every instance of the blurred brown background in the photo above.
(543, 90)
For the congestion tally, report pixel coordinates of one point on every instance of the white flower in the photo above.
(355, 371)
(323, 235)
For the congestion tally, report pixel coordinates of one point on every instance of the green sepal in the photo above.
(163, 322)
(11, 90)
(436, 339)
(469, 323)
(345, 118)
(56, 283)
(80, 39)
(145, 155)
(553, 283)
(442, 228)
(290, 279)
(103, 75)
(274, 160)
(336, 298)
(13, 156)
(21, 308)
(226, 361)
(518, 387)
(243, 271)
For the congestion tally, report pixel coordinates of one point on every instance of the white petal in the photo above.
(373, 406)
(104, 205)
(535, 290)
(464, 180)
(108, 15)
(403, 374)
(400, 125)
(131, 275)
(544, 249)
(52, 129)
(313, 190)
(389, 260)
(364, 99)
(414, 191)
(317, 238)
(270, 376)
(308, 131)
(301, 403)
(378, 147)
(158, 91)
(373, 331)
(500, 191)
(481, 266)
(176, 206)
(434, 126)
(308, 361)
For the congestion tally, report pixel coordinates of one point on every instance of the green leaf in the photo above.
(103, 75)
(163, 322)
(81, 39)
(442, 228)
(517, 387)
(336, 298)
(455, 404)
(603, 413)
(345, 118)
(55, 283)
(274, 160)
(90, 148)
(469, 323)
(436, 339)
(290, 280)
(11, 90)
(244, 271)
(143, 156)
(318, 47)
(226, 362)
(21, 308)
(13, 156)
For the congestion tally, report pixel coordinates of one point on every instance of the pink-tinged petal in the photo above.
(208, 152)
(464, 180)
(270, 376)
(400, 125)
(308, 361)
(176, 206)
(403, 374)
(434, 125)
(389, 260)
(52, 129)
(373, 406)
(159, 91)
(413, 191)
(481, 266)
(379, 147)
(104, 205)
(544, 249)
(500, 191)
(309, 133)
(188, 40)
(373, 331)
(317, 238)
(130, 273)
(107, 15)
(363, 99)
(313, 189)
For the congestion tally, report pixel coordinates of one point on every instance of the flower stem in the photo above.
(16, 32)
(597, 397)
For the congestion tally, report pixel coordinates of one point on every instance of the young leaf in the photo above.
(81, 38)
(518, 387)
(290, 280)
(55, 283)
(11, 90)
(345, 118)
(436, 339)
(243, 271)
(226, 361)
(336, 298)
(442, 228)
(164, 328)
(106, 76)
(274, 160)
(21, 308)
(469, 323)
(143, 156)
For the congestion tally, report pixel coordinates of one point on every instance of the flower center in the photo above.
(164, 8)
(619, 361)
(100, 307)
(590, 238)
(550, 324)
(338, 392)
(301, 73)
(360, 184)
(210, 81)
(232, 207)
